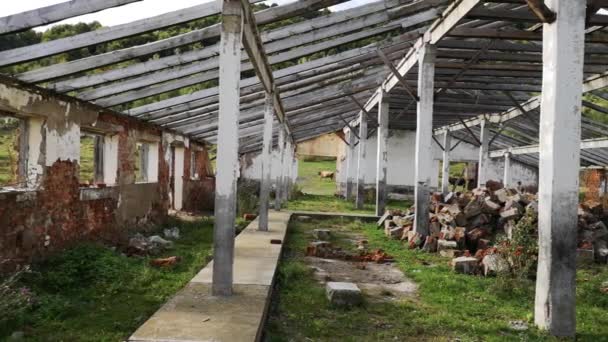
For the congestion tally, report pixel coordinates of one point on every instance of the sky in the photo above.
(130, 12)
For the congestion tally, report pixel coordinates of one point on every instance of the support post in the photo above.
(279, 180)
(228, 146)
(382, 155)
(424, 132)
(484, 155)
(445, 169)
(507, 172)
(559, 163)
(350, 155)
(266, 162)
(286, 168)
(361, 161)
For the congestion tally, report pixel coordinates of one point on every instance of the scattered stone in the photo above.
(343, 294)
(320, 274)
(318, 249)
(518, 325)
(157, 241)
(466, 265)
(249, 217)
(321, 234)
(171, 233)
(493, 264)
(451, 253)
(304, 218)
(446, 245)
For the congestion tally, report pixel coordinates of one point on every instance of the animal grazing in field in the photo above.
(327, 174)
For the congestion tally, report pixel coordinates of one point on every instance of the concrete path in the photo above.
(194, 315)
(329, 214)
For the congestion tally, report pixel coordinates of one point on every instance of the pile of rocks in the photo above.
(321, 248)
(466, 226)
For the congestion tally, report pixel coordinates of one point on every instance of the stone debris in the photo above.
(171, 233)
(343, 294)
(324, 249)
(518, 325)
(467, 227)
(321, 234)
(141, 245)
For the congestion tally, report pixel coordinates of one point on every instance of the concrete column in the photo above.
(279, 180)
(228, 146)
(507, 172)
(382, 155)
(361, 161)
(266, 162)
(350, 165)
(484, 156)
(286, 175)
(559, 156)
(424, 137)
(445, 169)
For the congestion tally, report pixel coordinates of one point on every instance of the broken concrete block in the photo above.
(490, 206)
(445, 245)
(321, 234)
(479, 220)
(472, 209)
(460, 236)
(395, 232)
(493, 264)
(502, 195)
(414, 239)
(343, 294)
(510, 214)
(476, 234)
(435, 228)
(584, 256)
(483, 244)
(451, 253)
(466, 265)
(320, 275)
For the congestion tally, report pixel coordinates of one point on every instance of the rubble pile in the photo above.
(473, 228)
(140, 245)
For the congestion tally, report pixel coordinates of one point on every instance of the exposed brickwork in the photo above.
(198, 194)
(34, 224)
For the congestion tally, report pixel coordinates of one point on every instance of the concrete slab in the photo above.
(194, 315)
(322, 214)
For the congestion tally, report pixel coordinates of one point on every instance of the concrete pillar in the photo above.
(228, 146)
(279, 180)
(361, 161)
(382, 155)
(559, 156)
(424, 137)
(484, 156)
(286, 168)
(350, 165)
(507, 172)
(445, 169)
(266, 163)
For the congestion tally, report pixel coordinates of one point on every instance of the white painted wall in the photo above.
(34, 144)
(152, 162)
(401, 152)
(254, 171)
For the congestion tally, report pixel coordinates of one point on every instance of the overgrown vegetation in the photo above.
(9, 150)
(309, 179)
(449, 306)
(95, 293)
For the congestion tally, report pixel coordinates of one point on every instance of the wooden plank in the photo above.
(54, 13)
(106, 34)
(63, 69)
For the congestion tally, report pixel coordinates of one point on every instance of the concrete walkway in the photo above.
(330, 214)
(194, 315)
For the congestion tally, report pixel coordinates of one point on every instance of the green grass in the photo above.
(324, 203)
(92, 293)
(449, 306)
(308, 176)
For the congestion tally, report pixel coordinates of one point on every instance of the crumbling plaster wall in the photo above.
(54, 210)
(401, 162)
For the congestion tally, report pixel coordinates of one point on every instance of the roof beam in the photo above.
(54, 13)
(210, 32)
(586, 144)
